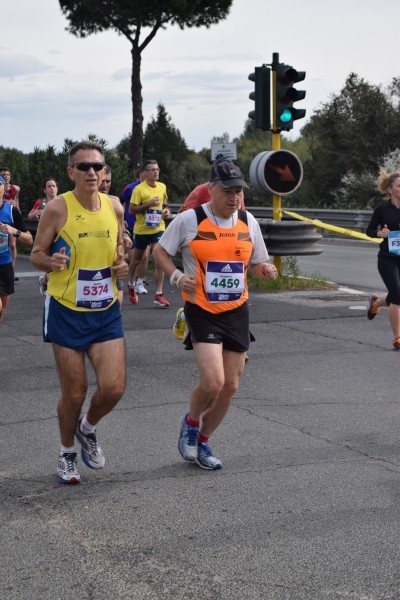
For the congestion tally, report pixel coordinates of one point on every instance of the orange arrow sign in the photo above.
(285, 173)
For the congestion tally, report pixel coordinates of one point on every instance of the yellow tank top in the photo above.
(222, 257)
(90, 239)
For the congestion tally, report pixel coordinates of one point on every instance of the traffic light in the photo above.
(286, 95)
(262, 97)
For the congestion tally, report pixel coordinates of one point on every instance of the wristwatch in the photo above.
(17, 234)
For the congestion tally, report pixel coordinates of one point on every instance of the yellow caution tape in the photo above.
(318, 223)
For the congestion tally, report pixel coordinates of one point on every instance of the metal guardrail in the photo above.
(352, 219)
(349, 219)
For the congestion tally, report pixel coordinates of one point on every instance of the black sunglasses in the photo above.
(86, 166)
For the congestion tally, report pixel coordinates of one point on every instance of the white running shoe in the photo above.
(206, 459)
(67, 470)
(140, 288)
(187, 443)
(91, 453)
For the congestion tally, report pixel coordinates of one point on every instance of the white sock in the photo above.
(86, 427)
(159, 293)
(65, 450)
(139, 280)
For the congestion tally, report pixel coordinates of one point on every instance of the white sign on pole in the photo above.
(228, 150)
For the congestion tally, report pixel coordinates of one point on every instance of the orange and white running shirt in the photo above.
(218, 254)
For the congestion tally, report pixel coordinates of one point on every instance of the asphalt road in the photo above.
(348, 262)
(305, 507)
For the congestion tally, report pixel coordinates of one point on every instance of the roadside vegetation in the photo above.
(342, 147)
(290, 279)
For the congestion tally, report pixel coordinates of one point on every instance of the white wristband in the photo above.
(176, 277)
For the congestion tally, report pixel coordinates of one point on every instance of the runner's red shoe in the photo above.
(132, 295)
(161, 301)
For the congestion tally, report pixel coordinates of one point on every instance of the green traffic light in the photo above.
(285, 95)
(286, 116)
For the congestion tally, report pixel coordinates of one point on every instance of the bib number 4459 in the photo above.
(225, 283)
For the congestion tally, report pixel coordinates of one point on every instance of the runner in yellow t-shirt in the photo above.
(149, 204)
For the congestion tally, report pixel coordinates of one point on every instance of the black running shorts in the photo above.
(230, 328)
(6, 279)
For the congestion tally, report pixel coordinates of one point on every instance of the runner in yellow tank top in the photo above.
(90, 239)
(79, 243)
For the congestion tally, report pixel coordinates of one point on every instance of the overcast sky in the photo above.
(56, 86)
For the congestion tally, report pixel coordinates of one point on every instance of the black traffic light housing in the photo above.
(262, 97)
(285, 95)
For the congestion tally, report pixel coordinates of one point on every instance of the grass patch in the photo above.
(290, 279)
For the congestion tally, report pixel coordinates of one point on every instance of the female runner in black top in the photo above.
(386, 219)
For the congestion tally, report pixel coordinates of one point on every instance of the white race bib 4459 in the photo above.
(224, 280)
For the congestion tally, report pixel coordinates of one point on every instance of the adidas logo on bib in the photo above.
(97, 276)
(227, 269)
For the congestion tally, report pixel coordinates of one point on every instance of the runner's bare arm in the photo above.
(185, 283)
(120, 266)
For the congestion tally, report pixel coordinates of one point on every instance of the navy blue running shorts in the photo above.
(143, 240)
(80, 329)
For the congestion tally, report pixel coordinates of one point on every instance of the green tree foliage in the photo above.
(359, 191)
(391, 162)
(197, 171)
(221, 139)
(349, 135)
(40, 165)
(163, 142)
(139, 21)
(163, 139)
(342, 148)
(30, 170)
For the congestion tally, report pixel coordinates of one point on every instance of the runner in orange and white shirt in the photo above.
(219, 243)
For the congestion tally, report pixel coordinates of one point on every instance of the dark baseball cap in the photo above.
(227, 175)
